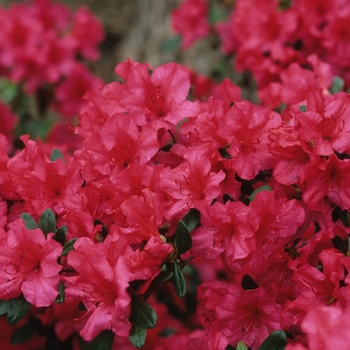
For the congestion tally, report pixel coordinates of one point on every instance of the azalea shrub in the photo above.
(183, 216)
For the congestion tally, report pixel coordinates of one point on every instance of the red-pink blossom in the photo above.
(249, 316)
(101, 287)
(29, 265)
(190, 20)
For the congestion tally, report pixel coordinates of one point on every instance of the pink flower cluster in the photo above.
(212, 224)
(40, 43)
(271, 191)
(290, 47)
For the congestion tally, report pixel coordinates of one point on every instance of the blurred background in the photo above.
(141, 30)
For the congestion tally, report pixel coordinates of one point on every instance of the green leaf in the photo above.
(24, 333)
(216, 14)
(104, 341)
(29, 221)
(61, 294)
(60, 235)
(137, 335)
(161, 279)
(68, 246)
(47, 222)
(143, 314)
(275, 341)
(284, 4)
(241, 346)
(230, 347)
(302, 108)
(8, 91)
(179, 281)
(183, 239)
(262, 188)
(337, 85)
(191, 219)
(15, 309)
(170, 44)
(55, 154)
(248, 283)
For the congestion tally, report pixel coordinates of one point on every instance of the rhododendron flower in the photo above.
(326, 123)
(249, 316)
(190, 20)
(224, 229)
(246, 130)
(120, 143)
(46, 184)
(327, 177)
(86, 45)
(158, 99)
(101, 287)
(69, 93)
(190, 185)
(29, 265)
(275, 220)
(327, 327)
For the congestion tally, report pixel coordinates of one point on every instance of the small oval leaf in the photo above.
(137, 335)
(183, 239)
(104, 341)
(275, 341)
(143, 314)
(68, 246)
(262, 188)
(179, 281)
(60, 235)
(47, 222)
(55, 154)
(29, 221)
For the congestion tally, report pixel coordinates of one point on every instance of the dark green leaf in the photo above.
(179, 281)
(24, 333)
(241, 346)
(224, 154)
(262, 188)
(55, 154)
(162, 277)
(339, 244)
(191, 219)
(302, 108)
(275, 341)
(60, 235)
(47, 222)
(216, 14)
(230, 347)
(166, 332)
(143, 314)
(104, 341)
(337, 85)
(284, 4)
(29, 221)
(248, 283)
(61, 294)
(183, 239)
(170, 44)
(15, 308)
(137, 335)
(68, 246)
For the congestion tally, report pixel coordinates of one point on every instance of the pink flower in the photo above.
(101, 286)
(29, 265)
(158, 99)
(327, 327)
(249, 316)
(247, 130)
(190, 20)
